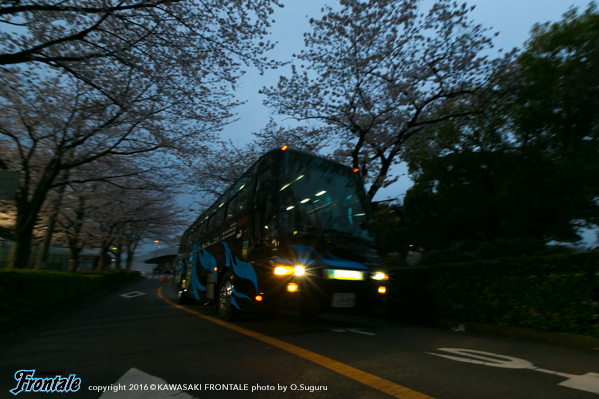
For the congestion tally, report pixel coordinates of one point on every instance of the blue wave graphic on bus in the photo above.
(206, 260)
(196, 286)
(240, 268)
(307, 256)
(235, 293)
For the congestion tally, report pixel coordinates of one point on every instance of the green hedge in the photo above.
(27, 291)
(558, 293)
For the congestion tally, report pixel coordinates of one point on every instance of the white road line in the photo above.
(360, 331)
(342, 330)
(133, 294)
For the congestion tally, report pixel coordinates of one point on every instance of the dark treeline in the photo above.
(525, 165)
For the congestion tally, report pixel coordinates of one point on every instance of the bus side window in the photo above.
(231, 211)
(201, 232)
(263, 204)
(243, 198)
(219, 218)
(211, 222)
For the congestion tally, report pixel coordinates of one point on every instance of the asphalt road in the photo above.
(137, 343)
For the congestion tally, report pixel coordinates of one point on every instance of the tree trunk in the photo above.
(28, 209)
(119, 254)
(43, 256)
(41, 262)
(131, 247)
(74, 258)
(103, 258)
(21, 249)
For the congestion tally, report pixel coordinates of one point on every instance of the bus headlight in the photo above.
(379, 276)
(283, 270)
(289, 270)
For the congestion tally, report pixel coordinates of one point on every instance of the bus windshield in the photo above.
(317, 197)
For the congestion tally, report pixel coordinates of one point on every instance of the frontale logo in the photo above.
(27, 382)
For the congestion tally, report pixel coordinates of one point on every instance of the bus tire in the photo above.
(226, 310)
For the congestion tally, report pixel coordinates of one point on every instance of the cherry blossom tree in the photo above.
(84, 80)
(120, 220)
(54, 129)
(378, 72)
(224, 162)
(308, 138)
(169, 39)
(115, 214)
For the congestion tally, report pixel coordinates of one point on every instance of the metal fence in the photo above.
(58, 256)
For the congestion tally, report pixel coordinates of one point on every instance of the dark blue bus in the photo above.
(295, 231)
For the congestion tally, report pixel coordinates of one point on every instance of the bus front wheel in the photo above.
(226, 310)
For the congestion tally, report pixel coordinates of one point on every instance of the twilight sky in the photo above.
(513, 19)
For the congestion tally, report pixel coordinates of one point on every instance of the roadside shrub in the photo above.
(446, 256)
(510, 248)
(547, 293)
(26, 291)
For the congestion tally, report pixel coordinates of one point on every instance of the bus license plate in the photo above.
(343, 300)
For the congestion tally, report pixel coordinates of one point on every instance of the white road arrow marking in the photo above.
(588, 382)
(485, 358)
